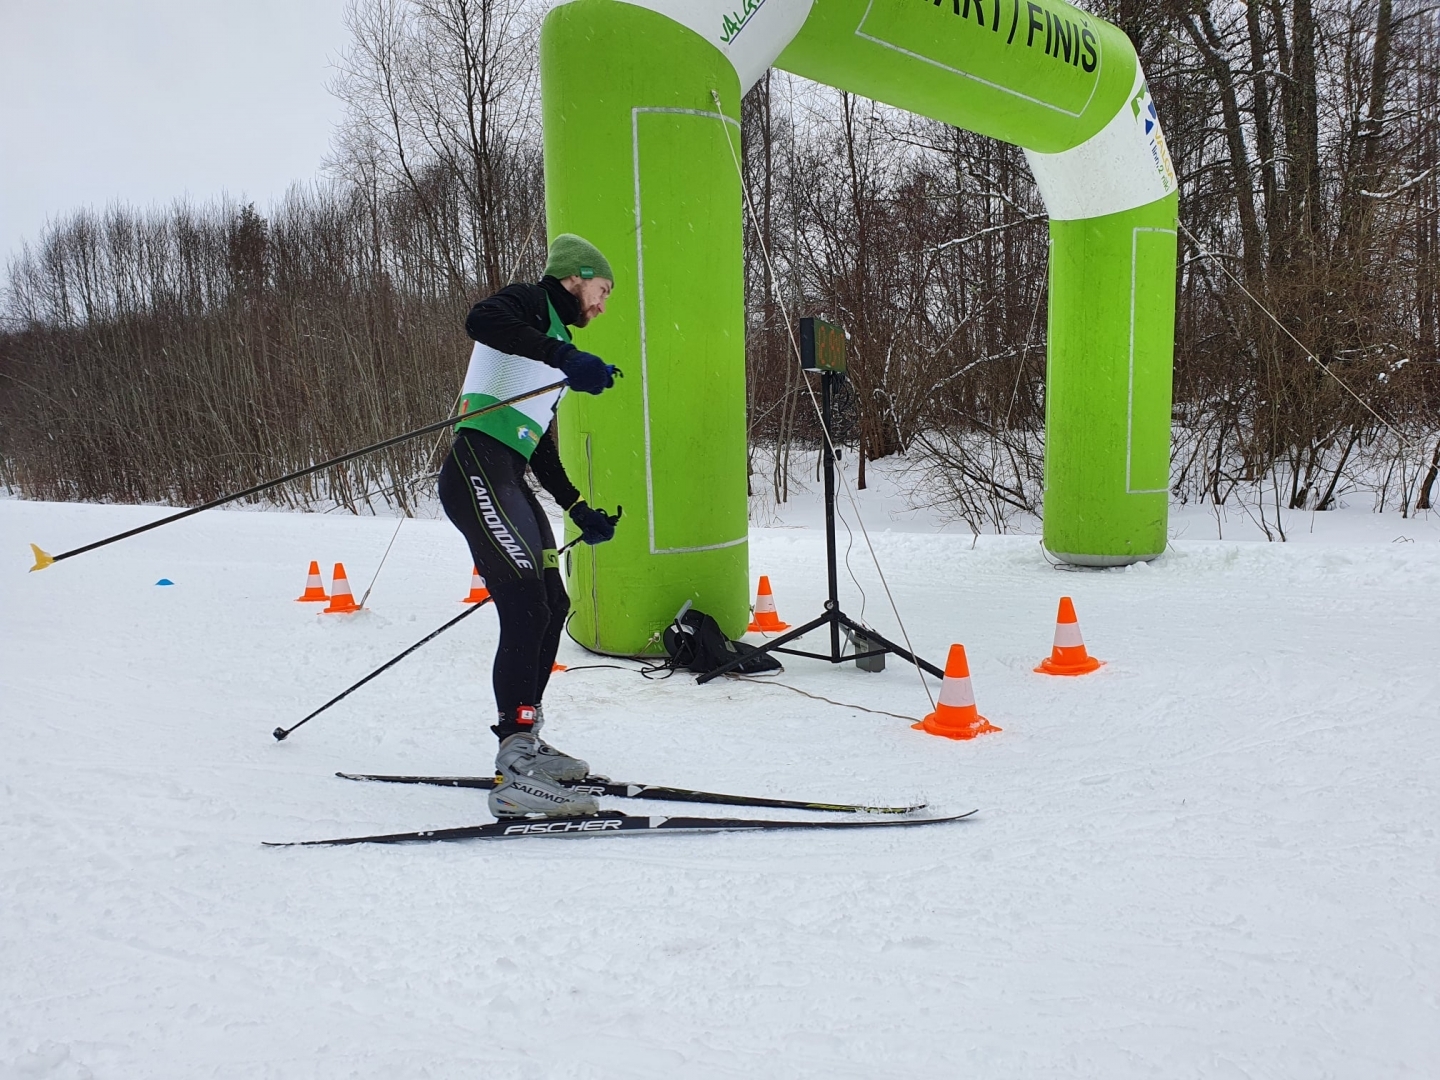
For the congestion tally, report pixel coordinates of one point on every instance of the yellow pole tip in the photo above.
(42, 558)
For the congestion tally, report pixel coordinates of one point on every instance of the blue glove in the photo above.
(585, 371)
(596, 526)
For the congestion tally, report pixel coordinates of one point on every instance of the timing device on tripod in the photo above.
(822, 349)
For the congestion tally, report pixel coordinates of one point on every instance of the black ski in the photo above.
(603, 785)
(610, 824)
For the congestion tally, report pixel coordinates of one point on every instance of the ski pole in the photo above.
(44, 559)
(281, 733)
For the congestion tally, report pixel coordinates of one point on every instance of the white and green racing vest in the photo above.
(494, 376)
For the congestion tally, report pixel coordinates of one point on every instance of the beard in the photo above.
(581, 321)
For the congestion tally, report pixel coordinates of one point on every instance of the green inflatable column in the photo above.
(1108, 383)
(637, 160)
(1113, 207)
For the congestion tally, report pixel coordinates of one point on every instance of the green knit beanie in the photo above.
(572, 255)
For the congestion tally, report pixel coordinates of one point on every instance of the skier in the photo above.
(521, 340)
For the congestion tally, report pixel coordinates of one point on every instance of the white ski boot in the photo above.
(556, 764)
(522, 790)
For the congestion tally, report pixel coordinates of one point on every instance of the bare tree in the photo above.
(441, 104)
(226, 343)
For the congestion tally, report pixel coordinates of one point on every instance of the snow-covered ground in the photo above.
(1217, 857)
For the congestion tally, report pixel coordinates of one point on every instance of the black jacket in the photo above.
(516, 320)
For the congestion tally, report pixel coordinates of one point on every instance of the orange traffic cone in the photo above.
(1068, 656)
(314, 586)
(766, 619)
(478, 592)
(341, 599)
(955, 715)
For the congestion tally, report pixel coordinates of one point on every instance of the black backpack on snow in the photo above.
(695, 642)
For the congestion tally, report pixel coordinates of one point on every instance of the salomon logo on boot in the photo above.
(524, 790)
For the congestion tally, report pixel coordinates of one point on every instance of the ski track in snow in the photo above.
(1217, 857)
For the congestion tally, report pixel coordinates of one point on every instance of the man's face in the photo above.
(592, 294)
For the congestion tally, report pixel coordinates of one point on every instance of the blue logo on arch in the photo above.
(1143, 103)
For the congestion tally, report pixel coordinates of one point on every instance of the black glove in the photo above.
(596, 526)
(585, 371)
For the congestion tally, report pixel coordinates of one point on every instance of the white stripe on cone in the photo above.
(957, 693)
(1067, 635)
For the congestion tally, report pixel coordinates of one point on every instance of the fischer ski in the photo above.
(611, 824)
(603, 785)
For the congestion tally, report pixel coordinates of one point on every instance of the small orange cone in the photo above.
(1068, 655)
(558, 667)
(341, 599)
(478, 592)
(955, 715)
(766, 619)
(314, 586)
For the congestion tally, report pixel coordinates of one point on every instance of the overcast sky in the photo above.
(144, 101)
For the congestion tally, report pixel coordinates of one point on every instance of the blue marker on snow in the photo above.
(164, 581)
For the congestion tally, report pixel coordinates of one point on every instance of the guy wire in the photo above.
(1025, 349)
(815, 403)
(433, 450)
(849, 544)
(1273, 318)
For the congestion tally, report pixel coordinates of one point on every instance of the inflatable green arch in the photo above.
(638, 158)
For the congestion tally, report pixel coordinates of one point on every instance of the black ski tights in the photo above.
(532, 615)
(484, 493)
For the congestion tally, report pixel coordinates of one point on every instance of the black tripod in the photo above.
(832, 616)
